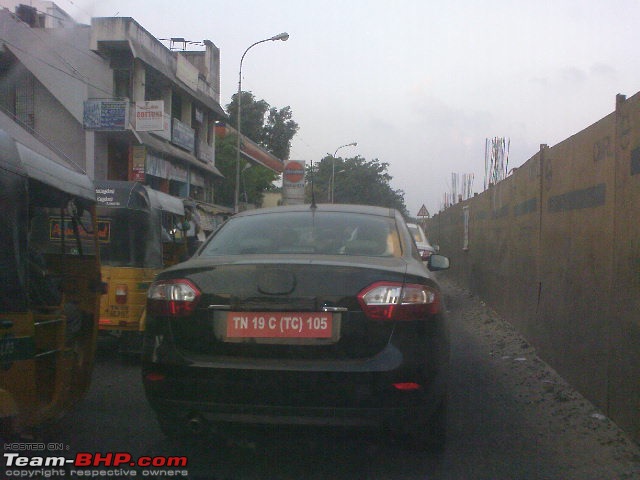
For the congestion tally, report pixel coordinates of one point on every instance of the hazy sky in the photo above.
(418, 84)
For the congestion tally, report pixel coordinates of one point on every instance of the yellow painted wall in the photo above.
(555, 248)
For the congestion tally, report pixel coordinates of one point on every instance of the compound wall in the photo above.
(555, 249)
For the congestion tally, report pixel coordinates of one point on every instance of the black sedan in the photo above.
(301, 315)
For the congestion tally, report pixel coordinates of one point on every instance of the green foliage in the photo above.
(254, 180)
(226, 163)
(269, 127)
(272, 131)
(252, 116)
(279, 131)
(357, 181)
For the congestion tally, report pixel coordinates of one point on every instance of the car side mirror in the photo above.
(438, 262)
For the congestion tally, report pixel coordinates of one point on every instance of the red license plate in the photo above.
(279, 324)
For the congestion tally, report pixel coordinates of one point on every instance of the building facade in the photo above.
(114, 101)
(159, 123)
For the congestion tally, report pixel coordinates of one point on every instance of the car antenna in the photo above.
(313, 194)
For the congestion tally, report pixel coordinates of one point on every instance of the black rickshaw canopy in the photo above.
(28, 181)
(123, 205)
(166, 203)
(20, 160)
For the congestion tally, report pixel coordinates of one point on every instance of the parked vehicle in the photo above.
(50, 276)
(424, 247)
(320, 315)
(140, 233)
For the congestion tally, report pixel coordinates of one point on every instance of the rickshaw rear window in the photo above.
(130, 238)
(53, 231)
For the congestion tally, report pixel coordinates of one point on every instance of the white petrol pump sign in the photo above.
(293, 182)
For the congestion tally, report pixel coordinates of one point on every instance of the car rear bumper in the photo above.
(404, 383)
(326, 405)
(298, 416)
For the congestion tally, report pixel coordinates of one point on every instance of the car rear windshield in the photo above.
(324, 233)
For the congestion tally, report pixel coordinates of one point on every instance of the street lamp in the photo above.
(333, 168)
(284, 37)
(244, 185)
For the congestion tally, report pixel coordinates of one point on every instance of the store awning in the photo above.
(252, 151)
(26, 162)
(209, 215)
(166, 148)
(166, 202)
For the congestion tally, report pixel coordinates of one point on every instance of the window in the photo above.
(330, 233)
(152, 88)
(24, 109)
(176, 105)
(121, 83)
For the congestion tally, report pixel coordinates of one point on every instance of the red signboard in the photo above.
(59, 230)
(294, 172)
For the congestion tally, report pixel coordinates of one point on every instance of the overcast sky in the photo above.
(418, 84)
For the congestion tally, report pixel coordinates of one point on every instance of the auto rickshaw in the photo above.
(140, 232)
(50, 278)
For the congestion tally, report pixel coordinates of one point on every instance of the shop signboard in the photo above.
(105, 114)
(138, 157)
(182, 135)
(150, 116)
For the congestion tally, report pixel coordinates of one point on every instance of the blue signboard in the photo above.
(105, 114)
(183, 135)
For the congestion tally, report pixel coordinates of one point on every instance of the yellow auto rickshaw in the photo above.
(140, 231)
(51, 287)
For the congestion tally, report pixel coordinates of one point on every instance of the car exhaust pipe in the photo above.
(196, 424)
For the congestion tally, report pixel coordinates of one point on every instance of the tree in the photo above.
(251, 117)
(279, 131)
(356, 181)
(226, 163)
(254, 180)
(273, 132)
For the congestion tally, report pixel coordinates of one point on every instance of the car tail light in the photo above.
(155, 377)
(407, 386)
(399, 301)
(177, 298)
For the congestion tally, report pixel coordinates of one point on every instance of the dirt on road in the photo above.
(584, 441)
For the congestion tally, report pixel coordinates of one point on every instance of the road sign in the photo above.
(423, 212)
(293, 182)
(294, 172)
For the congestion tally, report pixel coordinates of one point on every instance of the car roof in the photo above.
(324, 207)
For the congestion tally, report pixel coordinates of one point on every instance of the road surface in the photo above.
(510, 417)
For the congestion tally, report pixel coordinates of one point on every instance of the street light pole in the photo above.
(333, 168)
(284, 37)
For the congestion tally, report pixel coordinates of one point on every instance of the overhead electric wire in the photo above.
(55, 67)
(77, 75)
